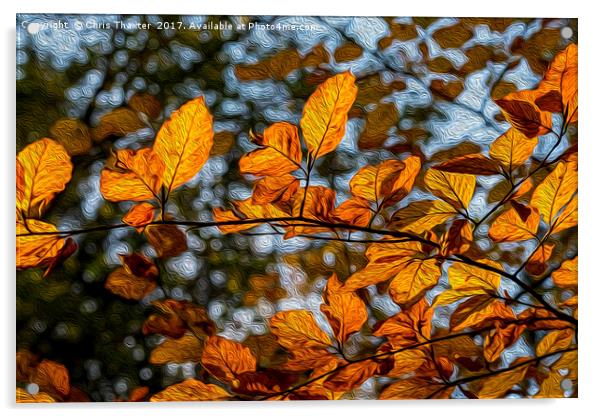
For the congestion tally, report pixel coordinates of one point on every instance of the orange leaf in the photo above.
(184, 142)
(567, 218)
(499, 339)
(458, 238)
(187, 348)
(414, 278)
(167, 239)
(413, 388)
(476, 313)
(22, 396)
(518, 223)
(407, 327)
(52, 377)
(275, 190)
(191, 390)
(345, 311)
(538, 262)
(37, 250)
(555, 340)
(512, 149)
(355, 211)
(134, 176)
(139, 215)
(226, 359)
(352, 376)
(325, 114)
(475, 164)
(420, 216)
(43, 170)
(135, 280)
(497, 386)
(562, 75)
(297, 329)
(280, 153)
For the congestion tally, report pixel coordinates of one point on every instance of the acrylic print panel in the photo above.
(295, 208)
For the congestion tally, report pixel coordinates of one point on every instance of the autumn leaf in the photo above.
(498, 385)
(117, 123)
(555, 191)
(413, 388)
(408, 327)
(499, 339)
(455, 189)
(520, 110)
(475, 164)
(191, 390)
(356, 211)
(187, 348)
(34, 250)
(352, 376)
(298, 329)
(567, 218)
(133, 176)
(280, 152)
(174, 318)
(467, 280)
(458, 238)
(51, 377)
(385, 183)
(478, 312)
(275, 190)
(140, 215)
(184, 143)
(554, 341)
(325, 114)
(167, 239)
(562, 76)
(226, 359)
(345, 311)
(135, 279)
(73, 135)
(566, 275)
(518, 223)
(423, 215)
(413, 280)
(22, 396)
(512, 149)
(43, 170)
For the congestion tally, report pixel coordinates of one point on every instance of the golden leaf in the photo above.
(566, 275)
(325, 114)
(567, 218)
(345, 311)
(184, 142)
(226, 359)
(73, 135)
(280, 152)
(23, 396)
(135, 280)
(140, 214)
(387, 182)
(187, 348)
(37, 250)
(413, 280)
(512, 149)
(555, 191)
(512, 226)
(352, 376)
(412, 388)
(423, 215)
(477, 312)
(135, 176)
(43, 170)
(499, 339)
(456, 189)
(562, 75)
(458, 238)
(297, 329)
(408, 327)
(555, 340)
(191, 390)
(467, 280)
(497, 386)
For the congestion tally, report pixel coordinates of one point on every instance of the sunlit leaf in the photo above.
(298, 329)
(555, 191)
(518, 223)
(187, 348)
(226, 359)
(191, 390)
(345, 311)
(566, 275)
(456, 189)
(512, 149)
(34, 250)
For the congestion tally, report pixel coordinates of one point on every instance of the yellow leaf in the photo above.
(477, 312)
(512, 149)
(497, 386)
(191, 390)
(467, 280)
(226, 359)
(423, 215)
(23, 396)
(43, 170)
(280, 152)
(298, 330)
(140, 214)
(325, 114)
(387, 182)
(413, 280)
(555, 191)
(512, 226)
(411, 389)
(566, 275)
(456, 189)
(345, 311)
(134, 176)
(555, 340)
(187, 348)
(567, 218)
(37, 250)
(184, 142)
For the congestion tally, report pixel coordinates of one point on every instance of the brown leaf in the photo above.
(226, 359)
(191, 390)
(73, 134)
(187, 348)
(167, 239)
(117, 123)
(475, 164)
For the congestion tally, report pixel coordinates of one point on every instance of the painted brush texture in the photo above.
(228, 208)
